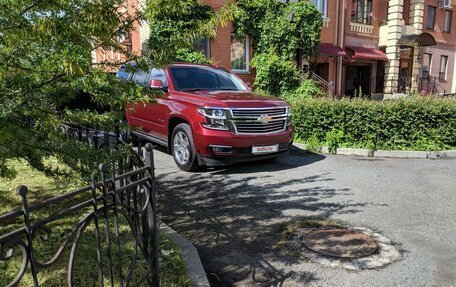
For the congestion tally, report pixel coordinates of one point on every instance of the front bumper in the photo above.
(225, 160)
(237, 148)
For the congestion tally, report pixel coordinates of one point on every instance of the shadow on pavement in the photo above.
(234, 218)
(296, 158)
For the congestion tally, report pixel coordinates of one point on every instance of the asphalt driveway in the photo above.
(234, 216)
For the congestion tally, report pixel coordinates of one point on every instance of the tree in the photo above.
(46, 62)
(176, 24)
(281, 35)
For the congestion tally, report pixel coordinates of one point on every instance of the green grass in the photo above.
(172, 267)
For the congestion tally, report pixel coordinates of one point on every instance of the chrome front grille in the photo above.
(251, 121)
(260, 128)
(258, 112)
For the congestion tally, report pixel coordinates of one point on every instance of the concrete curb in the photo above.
(385, 153)
(190, 255)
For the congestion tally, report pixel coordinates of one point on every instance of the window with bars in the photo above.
(361, 11)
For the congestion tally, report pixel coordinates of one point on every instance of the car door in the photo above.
(152, 116)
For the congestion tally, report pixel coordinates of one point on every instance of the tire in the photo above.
(183, 148)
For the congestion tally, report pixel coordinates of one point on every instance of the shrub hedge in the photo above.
(409, 124)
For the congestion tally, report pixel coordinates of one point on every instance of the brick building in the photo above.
(228, 51)
(135, 41)
(378, 47)
(387, 47)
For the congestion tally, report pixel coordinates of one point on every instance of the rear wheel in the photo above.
(183, 148)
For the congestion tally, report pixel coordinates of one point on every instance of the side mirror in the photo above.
(156, 84)
(248, 84)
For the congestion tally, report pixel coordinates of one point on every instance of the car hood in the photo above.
(240, 99)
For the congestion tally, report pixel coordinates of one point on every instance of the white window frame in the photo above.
(318, 4)
(247, 56)
(431, 57)
(445, 73)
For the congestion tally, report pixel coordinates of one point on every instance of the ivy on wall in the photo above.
(280, 35)
(176, 24)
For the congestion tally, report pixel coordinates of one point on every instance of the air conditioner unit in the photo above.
(444, 4)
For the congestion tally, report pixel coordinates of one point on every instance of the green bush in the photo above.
(190, 56)
(410, 124)
(275, 75)
(306, 90)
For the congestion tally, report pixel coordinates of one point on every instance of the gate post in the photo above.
(151, 211)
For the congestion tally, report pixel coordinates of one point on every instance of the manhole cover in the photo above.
(340, 242)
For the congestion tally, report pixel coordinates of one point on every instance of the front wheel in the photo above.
(183, 148)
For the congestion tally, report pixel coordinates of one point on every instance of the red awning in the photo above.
(366, 53)
(328, 49)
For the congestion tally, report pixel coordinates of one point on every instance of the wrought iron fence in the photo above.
(111, 200)
(429, 85)
(96, 138)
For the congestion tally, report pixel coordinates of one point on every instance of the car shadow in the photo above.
(297, 157)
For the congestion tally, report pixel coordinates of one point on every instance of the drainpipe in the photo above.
(341, 42)
(336, 40)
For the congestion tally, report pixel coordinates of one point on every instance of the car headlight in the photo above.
(289, 116)
(215, 118)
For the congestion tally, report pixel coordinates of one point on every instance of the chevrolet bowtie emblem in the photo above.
(264, 119)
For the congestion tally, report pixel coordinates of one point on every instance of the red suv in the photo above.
(209, 117)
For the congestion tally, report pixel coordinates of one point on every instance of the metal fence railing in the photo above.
(115, 208)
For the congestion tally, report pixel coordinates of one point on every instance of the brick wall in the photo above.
(446, 45)
(220, 46)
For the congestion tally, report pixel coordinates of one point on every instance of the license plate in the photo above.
(265, 149)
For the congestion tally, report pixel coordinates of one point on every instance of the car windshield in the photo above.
(204, 78)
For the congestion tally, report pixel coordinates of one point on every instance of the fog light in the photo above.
(220, 148)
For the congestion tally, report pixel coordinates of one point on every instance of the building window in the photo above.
(125, 40)
(431, 17)
(448, 20)
(203, 46)
(443, 67)
(322, 6)
(361, 11)
(426, 67)
(239, 54)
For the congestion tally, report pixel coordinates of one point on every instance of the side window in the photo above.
(139, 77)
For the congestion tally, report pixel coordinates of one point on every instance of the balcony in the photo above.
(361, 28)
(325, 22)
